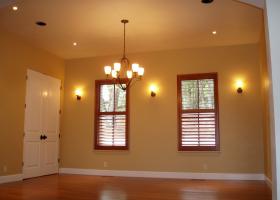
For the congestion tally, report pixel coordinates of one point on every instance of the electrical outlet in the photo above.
(105, 164)
(5, 168)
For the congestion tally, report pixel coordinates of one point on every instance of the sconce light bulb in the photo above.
(78, 93)
(153, 89)
(239, 86)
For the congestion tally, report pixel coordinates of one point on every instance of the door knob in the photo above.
(43, 137)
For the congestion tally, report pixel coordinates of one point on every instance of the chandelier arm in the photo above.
(129, 83)
(134, 80)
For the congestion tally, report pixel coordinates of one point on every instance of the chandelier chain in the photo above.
(124, 40)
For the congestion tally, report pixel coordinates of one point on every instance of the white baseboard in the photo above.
(153, 174)
(11, 178)
(268, 182)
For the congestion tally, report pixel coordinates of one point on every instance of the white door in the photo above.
(41, 128)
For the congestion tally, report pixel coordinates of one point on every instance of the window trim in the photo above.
(98, 84)
(213, 76)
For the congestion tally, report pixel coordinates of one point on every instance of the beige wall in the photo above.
(153, 135)
(15, 58)
(265, 91)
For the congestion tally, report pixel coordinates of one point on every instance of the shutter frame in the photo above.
(97, 146)
(181, 78)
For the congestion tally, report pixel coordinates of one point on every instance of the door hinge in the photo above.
(59, 136)
(22, 163)
(60, 111)
(61, 87)
(58, 160)
(25, 105)
(26, 77)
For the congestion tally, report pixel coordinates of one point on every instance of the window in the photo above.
(198, 120)
(111, 116)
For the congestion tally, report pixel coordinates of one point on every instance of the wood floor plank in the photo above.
(76, 187)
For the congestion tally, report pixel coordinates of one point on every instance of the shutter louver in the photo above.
(198, 129)
(112, 130)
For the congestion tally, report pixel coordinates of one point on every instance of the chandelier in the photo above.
(123, 70)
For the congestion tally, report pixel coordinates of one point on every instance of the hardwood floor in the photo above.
(75, 187)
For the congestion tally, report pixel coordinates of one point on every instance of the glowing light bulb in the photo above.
(239, 86)
(140, 71)
(135, 67)
(129, 74)
(114, 74)
(79, 93)
(117, 67)
(107, 70)
(153, 90)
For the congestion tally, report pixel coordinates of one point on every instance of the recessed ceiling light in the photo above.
(15, 8)
(207, 1)
(75, 44)
(214, 32)
(41, 23)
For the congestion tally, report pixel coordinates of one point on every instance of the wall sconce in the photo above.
(239, 86)
(79, 94)
(153, 90)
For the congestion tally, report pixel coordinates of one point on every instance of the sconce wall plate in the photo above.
(239, 90)
(79, 97)
(153, 94)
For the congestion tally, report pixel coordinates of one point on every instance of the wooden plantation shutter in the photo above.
(111, 116)
(198, 120)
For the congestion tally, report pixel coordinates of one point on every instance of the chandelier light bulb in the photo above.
(129, 74)
(140, 71)
(135, 67)
(117, 67)
(114, 74)
(107, 70)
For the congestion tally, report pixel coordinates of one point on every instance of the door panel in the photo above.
(32, 165)
(51, 105)
(33, 111)
(41, 119)
(50, 159)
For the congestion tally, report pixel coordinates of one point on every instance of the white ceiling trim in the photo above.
(257, 3)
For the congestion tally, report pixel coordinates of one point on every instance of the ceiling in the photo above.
(154, 24)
